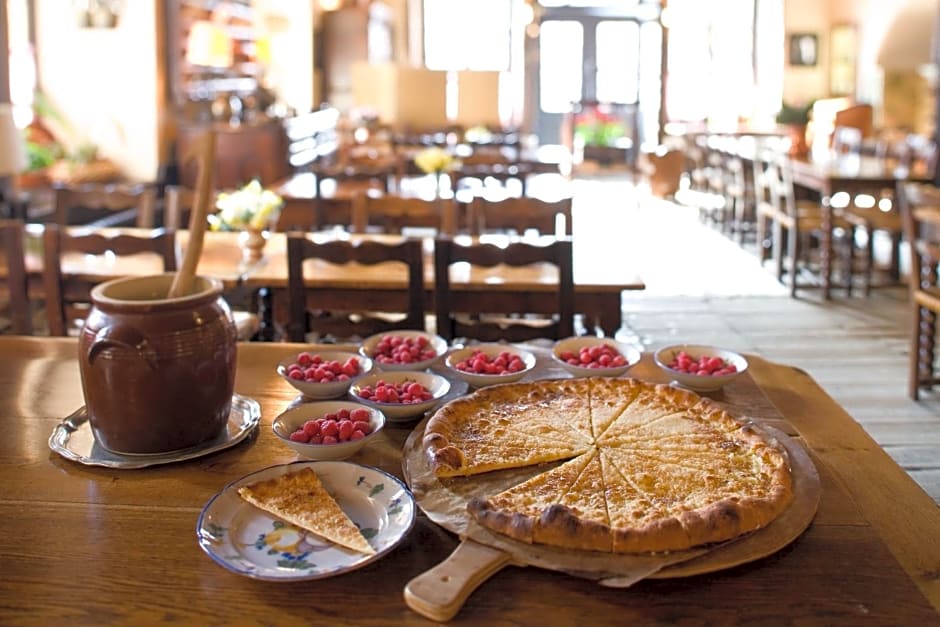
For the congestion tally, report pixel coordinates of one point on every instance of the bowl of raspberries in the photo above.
(323, 374)
(328, 430)
(486, 364)
(698, 367)
(592, 356)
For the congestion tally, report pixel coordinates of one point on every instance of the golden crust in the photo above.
(665, 468)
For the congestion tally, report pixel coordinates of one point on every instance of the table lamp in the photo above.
(12, 156)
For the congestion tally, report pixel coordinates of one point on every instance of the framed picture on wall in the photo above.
(804, 49)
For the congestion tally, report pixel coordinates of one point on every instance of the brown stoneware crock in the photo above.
(157, 373)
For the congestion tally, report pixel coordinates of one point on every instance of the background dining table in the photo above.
(91, 545)
(599, 284)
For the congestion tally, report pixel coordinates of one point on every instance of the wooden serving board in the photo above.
(440, 592)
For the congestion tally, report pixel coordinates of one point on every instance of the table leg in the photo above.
(609, 316)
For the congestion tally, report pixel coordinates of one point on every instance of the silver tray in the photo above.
(73, 439)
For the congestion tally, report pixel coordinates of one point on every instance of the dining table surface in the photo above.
(86, 544)
(599, 284)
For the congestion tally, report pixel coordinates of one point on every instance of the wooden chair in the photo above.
(14, 285)
(520, 214)
(500, 324)
(65, 302)
(305, 317)
(391, 213)
(105, 204)
(877, 213)
(766, 203)
(919, 207)
(177, 206)
(797, 225)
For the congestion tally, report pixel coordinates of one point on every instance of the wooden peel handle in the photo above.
(440, 592)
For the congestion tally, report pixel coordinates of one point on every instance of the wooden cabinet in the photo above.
(242, 153)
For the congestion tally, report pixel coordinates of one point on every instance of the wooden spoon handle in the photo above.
(440, 592)
(204, 153)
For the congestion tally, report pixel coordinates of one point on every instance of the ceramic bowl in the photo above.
(700, 383)
(373, 345)
(327, 389)
(571, 347)
(491, 351)
(437, 385)
(295, 417)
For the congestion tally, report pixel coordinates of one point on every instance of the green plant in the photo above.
(794, 114)
(40, 156)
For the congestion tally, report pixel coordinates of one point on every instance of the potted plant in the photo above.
(795, 118)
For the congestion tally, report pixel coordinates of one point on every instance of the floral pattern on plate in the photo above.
(250, 542)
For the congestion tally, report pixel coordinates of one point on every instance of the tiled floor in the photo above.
(703, 288)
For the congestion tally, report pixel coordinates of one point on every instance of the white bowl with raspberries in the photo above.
(404, 350)
(487, 364)
(401, 395)
(592, 356)
(323, 374)
(699, 367)
(328, 430)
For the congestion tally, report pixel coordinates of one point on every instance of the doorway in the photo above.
(608, 56)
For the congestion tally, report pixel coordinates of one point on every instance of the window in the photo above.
(467, 34)
(561, 51)
(711, 61)
(617, 55)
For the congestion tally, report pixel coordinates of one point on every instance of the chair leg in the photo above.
(869, 259)
(923, 351)
(793, 246)
(895, 268)
(850, 262)
(778, 244)
(761, 236)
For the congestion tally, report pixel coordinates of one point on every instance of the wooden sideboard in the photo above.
(243, 152)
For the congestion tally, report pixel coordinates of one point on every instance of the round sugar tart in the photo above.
(675, 470)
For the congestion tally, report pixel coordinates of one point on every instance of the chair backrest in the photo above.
(15, 283)
(105, 204)
(520, 214)
(390, 213)
(354, 322)
(360, 176)
(65, 299)
(765, 179)
(783, 187)
(177, 206)
(486, 327)
(919, 206)
(315, 214)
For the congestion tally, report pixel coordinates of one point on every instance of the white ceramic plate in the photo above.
(247, 541)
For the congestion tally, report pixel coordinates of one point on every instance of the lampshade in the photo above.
(12, 148)
(209, 45)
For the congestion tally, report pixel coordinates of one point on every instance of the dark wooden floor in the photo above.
(703, 288)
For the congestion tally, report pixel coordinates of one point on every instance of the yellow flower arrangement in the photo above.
(250, 207)
(435, 160)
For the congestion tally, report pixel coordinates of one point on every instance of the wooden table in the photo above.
(598, 283)
(853, 175)
(92, 545)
